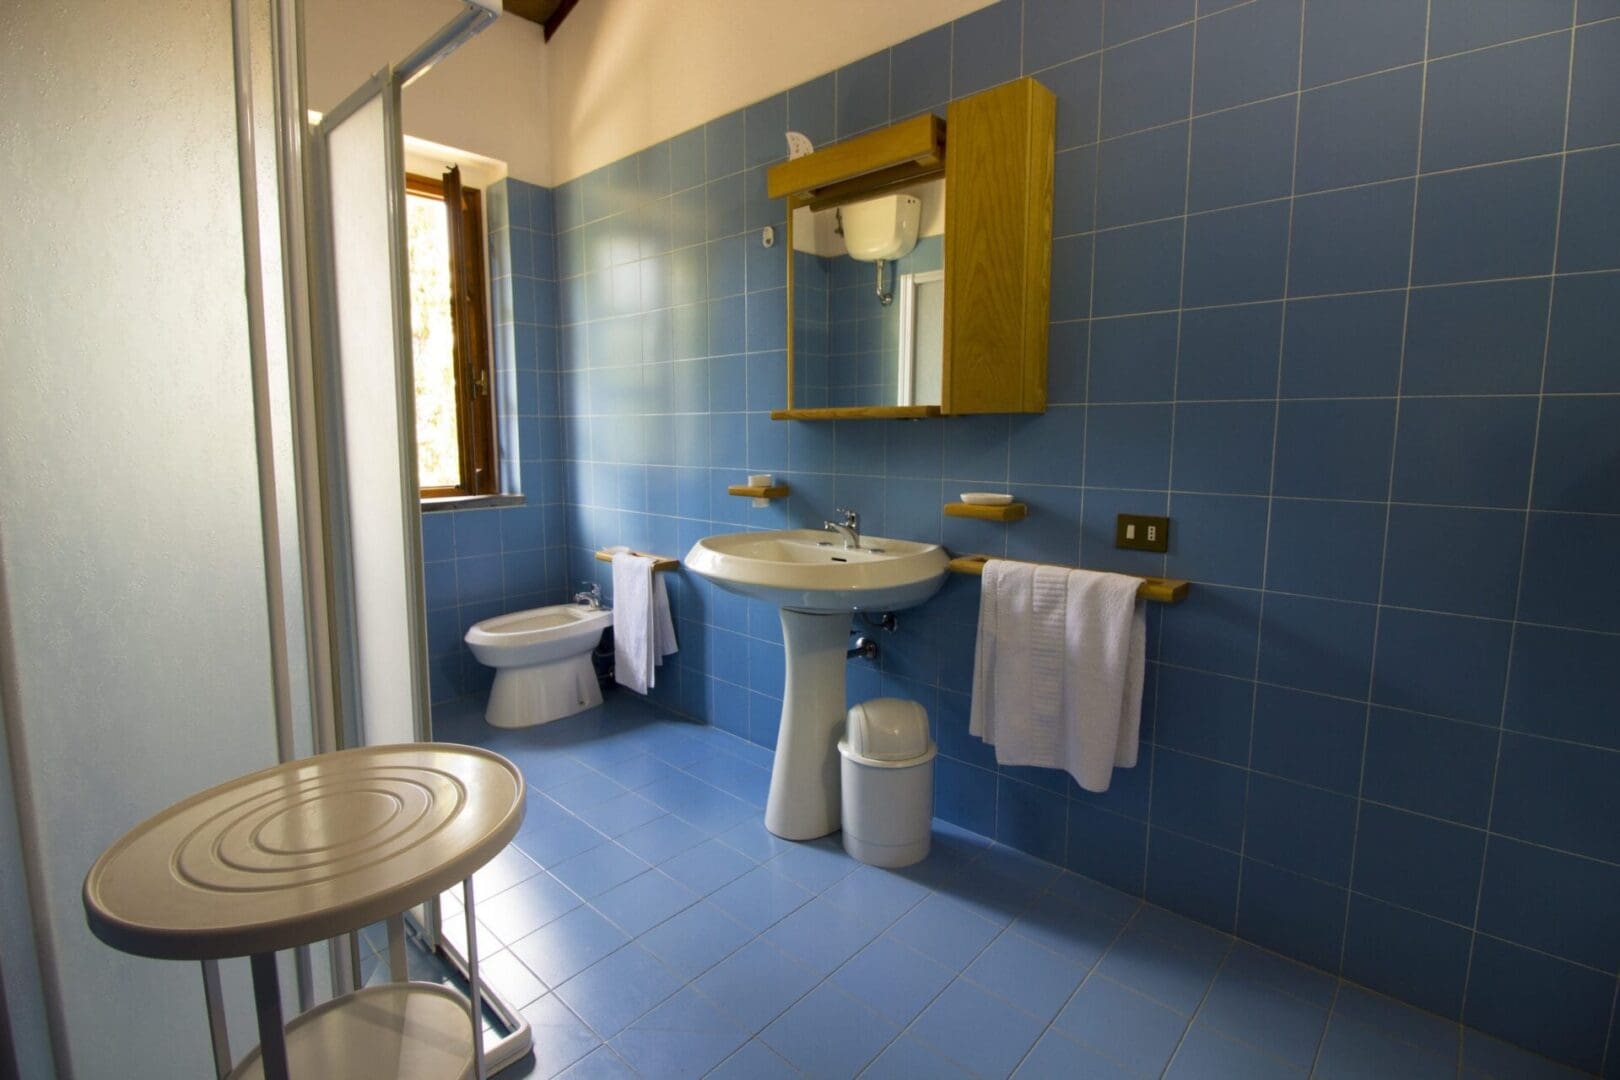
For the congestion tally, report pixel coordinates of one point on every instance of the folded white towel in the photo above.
(1058, 669)
(643, 632)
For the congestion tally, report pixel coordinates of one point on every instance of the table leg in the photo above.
(267, 1001)
(399, 968)
(474, 987)
(217, 1033)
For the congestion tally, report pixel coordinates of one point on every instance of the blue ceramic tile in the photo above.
(686, 167)
(1206, 1055)
(1250, 1012)
(1558, 794)
(1320, 645)
(1465, 451)
(723, 140)
(1442, 664)
(1574, 432)
(1242, 155)
(1193, 879)
(760, 898)
(1582, 339)
(755, 1061)
(1352, 1050)
(1400, 952)
(1133, 359)
(613, 992)
(1344, 38)
(1122, 1025)
(526, 906)
(1047, 449)
(1343, 346)
(560, 1038)
(1551, 901)
(695, 940)
(1476, 339)
(1594, 88)
(1299, 828)
(1125, 19)
(892, 979)
(1352, 241)
(563, 948)
(1247, 53)
(945, 930)
(1138, 269)
(1484, 1056)
(1031, 977)
(1297, 916)
(1217, 538)
(1224, 447)
(620, 814)
(810, 109)
(1145, 83)
(643, 902)
(1455, 25)
(1229, 352)
(1236, 256)
(862, 95)
(906, 1058)
(1522, 198)
(1329, 549)
(1419, 863)
(1142, 177)
(1308, 737)
(685, 1036)
(1030, 819)
(920, 73)
(1074, 185)
(1127, 446)
(828, 1033)
(756, 984)
(1433, 766)
(1076, 86)
(1537, 1001)
(1334, 449)
(1071, 277)
(1461, 561)
(1107, 846)
(763, 124)
(1057, 30)
(594, 872)
(1568, 573)
(1360, 131)
(1204, 714)
(977, 1030)
(1521, 87)
(1422, 1031)
(1561, 682)
(1216, 629)
(1154, 967)
(985, 48)
(1203, 799)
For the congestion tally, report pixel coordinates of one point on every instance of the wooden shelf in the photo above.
(1010, 512)
(759, 491)
(1154, 590)
(900, 151)
(858, 412)
(662, 562)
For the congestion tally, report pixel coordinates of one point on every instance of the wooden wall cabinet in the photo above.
(996, 152)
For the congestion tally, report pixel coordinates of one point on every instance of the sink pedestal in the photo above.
(804, 798)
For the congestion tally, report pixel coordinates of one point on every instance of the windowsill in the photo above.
(470, 502)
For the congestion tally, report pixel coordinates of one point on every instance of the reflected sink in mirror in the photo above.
(812, 571)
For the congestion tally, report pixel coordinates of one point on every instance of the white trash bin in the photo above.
(887, 769)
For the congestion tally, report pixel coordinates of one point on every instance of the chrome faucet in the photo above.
(849, 528)
(591, 597)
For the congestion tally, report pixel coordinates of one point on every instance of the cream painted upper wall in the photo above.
(624, 74)
(488, 97)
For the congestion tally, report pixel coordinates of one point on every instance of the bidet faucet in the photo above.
(849, 528)
(591, 597)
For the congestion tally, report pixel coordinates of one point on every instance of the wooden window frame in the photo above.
(469, 309)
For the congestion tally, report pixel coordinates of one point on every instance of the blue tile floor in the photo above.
(646, 924)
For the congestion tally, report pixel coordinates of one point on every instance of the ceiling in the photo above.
(547, 13)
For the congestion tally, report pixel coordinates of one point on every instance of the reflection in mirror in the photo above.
(868, 282)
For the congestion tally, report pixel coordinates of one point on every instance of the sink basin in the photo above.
(809, 570)
(817, 583)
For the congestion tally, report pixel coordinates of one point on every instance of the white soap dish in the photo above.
(986, 498)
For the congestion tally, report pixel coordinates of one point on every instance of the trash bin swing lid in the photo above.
(888, 729)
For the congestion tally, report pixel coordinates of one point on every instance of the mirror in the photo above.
(867, 285)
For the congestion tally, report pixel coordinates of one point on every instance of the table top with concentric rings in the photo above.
(303, 851)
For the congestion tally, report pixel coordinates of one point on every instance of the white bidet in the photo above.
(542, 662)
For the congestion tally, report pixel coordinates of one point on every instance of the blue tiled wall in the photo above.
(481, 563)
(1333, 287)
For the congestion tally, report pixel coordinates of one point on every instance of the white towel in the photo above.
(643, 632)
(1058, 668)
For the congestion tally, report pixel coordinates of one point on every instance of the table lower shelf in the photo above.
(415, 1031)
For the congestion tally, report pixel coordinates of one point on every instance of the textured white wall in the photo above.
(624, 74)
(487, 97)
(129, 518)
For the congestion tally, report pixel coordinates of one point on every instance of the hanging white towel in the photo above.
(643, 632)
(1058, 669)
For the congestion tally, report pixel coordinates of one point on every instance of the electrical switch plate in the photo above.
(1139, 532)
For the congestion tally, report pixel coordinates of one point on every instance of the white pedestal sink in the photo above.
(817, 583)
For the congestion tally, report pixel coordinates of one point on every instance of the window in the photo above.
(455, 421)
